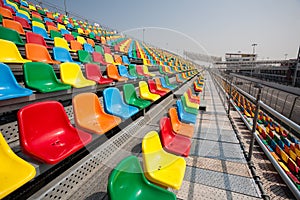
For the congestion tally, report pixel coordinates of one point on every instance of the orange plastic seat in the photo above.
(90, 116)
(12, 24)
(160, 87)
(112, 72)
(178, 126)
(39, 53)
(90, 41)
(14, 171)
(118, 59)
(6, 13)
(9, 53)
(75, 45)
(47, 134)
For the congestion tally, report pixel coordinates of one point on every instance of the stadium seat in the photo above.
(132, 71)
(15, 171)
(12, 24)
(184, 116)
(23, 22)
(41, 31)
(127, 181)
(178, 126)
(146, 71)
(164, 84)
(168, 82)
(38, 53)
(9, 53)
(90, 116)
(90, 41)
(112, 72)
(114, 104)
(153, 89)
(38, 24)
(54, 34)
(63, 55)
(189, 103)
(160, 87)
(47, 134)
(131, 97)
(93, 72)
(75, 46)
(41, 76)
(11, 35)
(173, 143)
(109, 59)
(71, 74)
(89, 48)
(69, 37)
(81, 40)
(10, 88)
(36, 39)
(125, 60)
(161, 167)
(99, 49)
(98, 58)
(61, 42)
(193, 98)
(187, 108)
(145, 93)
(161, 71)
(140, 71)
(124, 72)
(6, 12)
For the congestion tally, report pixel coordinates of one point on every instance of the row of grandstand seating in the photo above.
(282, 145)
(161, 167)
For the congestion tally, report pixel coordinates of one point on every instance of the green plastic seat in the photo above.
(131, 97)
(37, 20)
(99, 49)
(41, 76)
(127, 182)
(85, 57)
(161, 71)
(132, 71)
(168, 82)
(188, 109)
(11, 35)
(75, 34)
(54, 34)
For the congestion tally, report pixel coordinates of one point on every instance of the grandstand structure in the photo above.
(86, 113)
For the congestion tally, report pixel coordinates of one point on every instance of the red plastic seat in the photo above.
(47, 134)
(23, 22)
(153, 88)
(93, 72)
(172, 142)
(36, 39)
(140, 70)
(97, 57)
(192, 98)
(69, 37)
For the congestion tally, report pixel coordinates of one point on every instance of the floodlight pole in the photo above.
(65, 4)
(253, 52)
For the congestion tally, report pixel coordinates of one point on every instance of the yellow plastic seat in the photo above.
(81, 40)
(60, 26)
(24, 13)
(9, 53)
(161, 167)
(71, 74)
(189, 103)
(146, 71)
(38, 24)
(145, 92)
(109, 59)
(14, 171)
(61, 42)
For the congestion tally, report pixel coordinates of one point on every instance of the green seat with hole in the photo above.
(131, 97)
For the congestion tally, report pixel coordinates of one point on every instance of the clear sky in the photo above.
(205, 26)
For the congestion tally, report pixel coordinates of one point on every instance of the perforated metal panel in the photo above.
(64, 186)
(10, 132)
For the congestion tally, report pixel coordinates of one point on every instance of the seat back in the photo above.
(40, 31)
(36, 52)
(71, 73)
(84, 56)
(7, 23)
(175, 122)
(61, 42)
(38, 24)
(75, 45)
(54, 34)
(9, 53)
(87, 47)
(11, 35)
(39, 73)
(118, 59)
(132, 71)
(6, 12)
(35, 38)
(99, 49)
(69, 37)
(143, 86)
(124, 72)
(93, 72)
(112, 97)
(112, 72)
(81, 40)
(61, 54)
(129, 93)
(109, 58)
(125, 60)
(151, 143)
(23, 22)
(166, 131)
(97, 57)
(90, 41)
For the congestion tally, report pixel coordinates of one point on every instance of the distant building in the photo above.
(239, 57)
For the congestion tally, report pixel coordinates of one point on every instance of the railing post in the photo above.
(254, 122)
(229, 95)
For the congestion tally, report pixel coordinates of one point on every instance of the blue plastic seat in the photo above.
(41, 31)
(185, 116)
(164, 84)
(124, 72)
(64, 31)
(88, 47)
(63, 55)
(115, 105)
(125, 60)
(9, 87)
